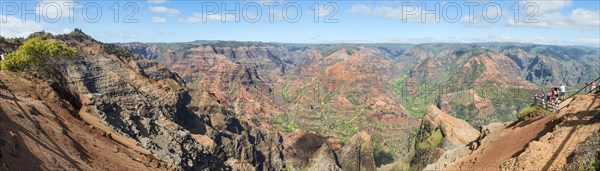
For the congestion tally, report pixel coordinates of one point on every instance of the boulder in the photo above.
(456, 132)
(357, 154)
(323, 160)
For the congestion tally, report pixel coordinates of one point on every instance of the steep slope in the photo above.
(438, 135)
(38, 132)
(578, 121)
(147, 112)
(545, 144)
(456, 132)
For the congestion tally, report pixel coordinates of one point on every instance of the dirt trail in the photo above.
(503, 145)
(541, 144)
(578, 120)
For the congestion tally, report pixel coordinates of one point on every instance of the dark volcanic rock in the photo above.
(358, 153)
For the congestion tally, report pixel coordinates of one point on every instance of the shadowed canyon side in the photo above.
(108, 108)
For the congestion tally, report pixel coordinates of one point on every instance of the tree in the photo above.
(37, 55)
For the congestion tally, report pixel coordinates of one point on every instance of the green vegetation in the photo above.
(284, 123)
(292, 97)
(289, 168)
(349, 127)
(319, 115)
(16, 40)
(116, 50)
(328, 97)
(431, 142)
(37, 55)
(532, 112)
(380, 154)
(78, 35)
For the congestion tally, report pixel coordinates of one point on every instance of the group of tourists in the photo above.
(552, 98)
(590, 86)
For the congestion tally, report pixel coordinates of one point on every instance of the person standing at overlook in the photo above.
(563, 90)
(543, 98)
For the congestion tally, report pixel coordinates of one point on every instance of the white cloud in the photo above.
(14, 27)
(164, 10)
(586, 18)
(157, 1)
(360, 9)
(199, 17)
(56, 9)
(579, 18)
(549, 15)
(159, 19)
(547, 6)
(541, 40)
(585, 42)
(591, 42)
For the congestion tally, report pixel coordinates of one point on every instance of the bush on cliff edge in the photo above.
(37, 55)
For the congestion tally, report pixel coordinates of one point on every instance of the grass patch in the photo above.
(532, 112)
(432, 142)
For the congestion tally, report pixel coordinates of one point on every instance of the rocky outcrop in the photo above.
(564, 141)
(453, 155)
(456, 132)
(6, 47)
(138, 103)
(323, 160)
(39, 132)
(358, 154)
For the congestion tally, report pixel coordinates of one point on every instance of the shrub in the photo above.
(381, 155)
(36, 55)
(116, 50)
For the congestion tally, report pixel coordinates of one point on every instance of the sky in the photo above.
(564, 22)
